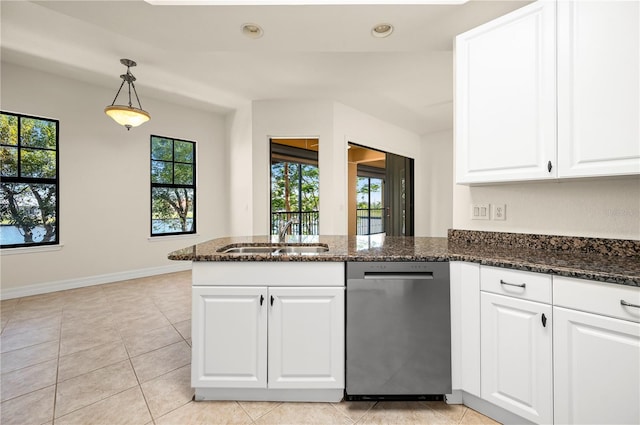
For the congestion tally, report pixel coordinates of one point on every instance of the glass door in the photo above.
(398, 198)
(380, 192)
(295, 186)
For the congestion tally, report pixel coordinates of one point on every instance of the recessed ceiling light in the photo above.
(252, 30)
(382, 30)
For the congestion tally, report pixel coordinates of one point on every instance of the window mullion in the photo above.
(19, 146)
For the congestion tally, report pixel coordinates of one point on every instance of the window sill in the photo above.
(30, 249)
(172, 237)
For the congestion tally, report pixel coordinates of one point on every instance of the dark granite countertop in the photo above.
(341, 248)
(607, 260)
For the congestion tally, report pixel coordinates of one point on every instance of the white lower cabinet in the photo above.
(516, 357)
(516, 342)
(271, 331)
(229, 337)
(596, 353)
(551, 349)
(306, 338)
(303, 329)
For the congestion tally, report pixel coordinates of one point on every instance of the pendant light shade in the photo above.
(127, 115)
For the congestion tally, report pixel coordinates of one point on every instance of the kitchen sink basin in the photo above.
(274, 249)
(250, 250)
(303, 249)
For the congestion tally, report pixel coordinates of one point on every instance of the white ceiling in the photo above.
(197, 55)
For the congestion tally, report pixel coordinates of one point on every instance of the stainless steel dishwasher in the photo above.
(398, 330)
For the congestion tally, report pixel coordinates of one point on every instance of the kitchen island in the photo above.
(607, 260)
(279, 305)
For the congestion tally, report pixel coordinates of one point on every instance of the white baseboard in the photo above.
(61, 285)
(324, 395)
(491, 410)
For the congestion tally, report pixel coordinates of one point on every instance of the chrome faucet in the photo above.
(283, 229)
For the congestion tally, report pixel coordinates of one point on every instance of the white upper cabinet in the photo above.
(520, 115)
(506, 98)
(598, 88)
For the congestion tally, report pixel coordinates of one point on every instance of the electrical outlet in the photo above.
(499, 212)
(480, 212)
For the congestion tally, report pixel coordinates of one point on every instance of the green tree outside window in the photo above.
(173, 188)
(29, 187)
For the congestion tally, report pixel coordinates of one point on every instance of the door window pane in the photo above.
(370, 208)
(295, 186)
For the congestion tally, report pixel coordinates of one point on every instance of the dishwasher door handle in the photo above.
(398, 276)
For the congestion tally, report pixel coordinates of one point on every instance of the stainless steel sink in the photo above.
(274, 249)
(249, 250)
(303, 249)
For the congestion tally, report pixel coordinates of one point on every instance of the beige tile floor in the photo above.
(120, 354)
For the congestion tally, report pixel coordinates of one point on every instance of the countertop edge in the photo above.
(587, 266)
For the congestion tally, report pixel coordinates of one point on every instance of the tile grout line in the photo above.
(361, 419)
(463, 415)
(144, 397)
(55, 389)
(343, 414)
(253, 421)
(440, 414)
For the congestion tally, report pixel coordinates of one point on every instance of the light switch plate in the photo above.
(480, 212)
(499, 212)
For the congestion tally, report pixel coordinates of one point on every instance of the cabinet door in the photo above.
(516, 357)
(506, 98)
(229, 327)
(306, 337)
(597, 369)
(598, 88)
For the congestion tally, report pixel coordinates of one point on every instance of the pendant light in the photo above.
(127, 116)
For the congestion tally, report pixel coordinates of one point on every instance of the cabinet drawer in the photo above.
(515, 283)
(597, 297)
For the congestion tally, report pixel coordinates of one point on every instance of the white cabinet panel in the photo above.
(516, 356)
(306, 338)
(516, 283)
(465, 326)
(597, 369)
(229, 337)
(506, 98)
(602, 298)
(268, 337)
(598, 88)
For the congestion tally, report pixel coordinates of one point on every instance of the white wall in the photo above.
(104, 183)
(240, 171)
(436, 191)
(351, 125)
(335, 125)
(602, 208)
(288, 118)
